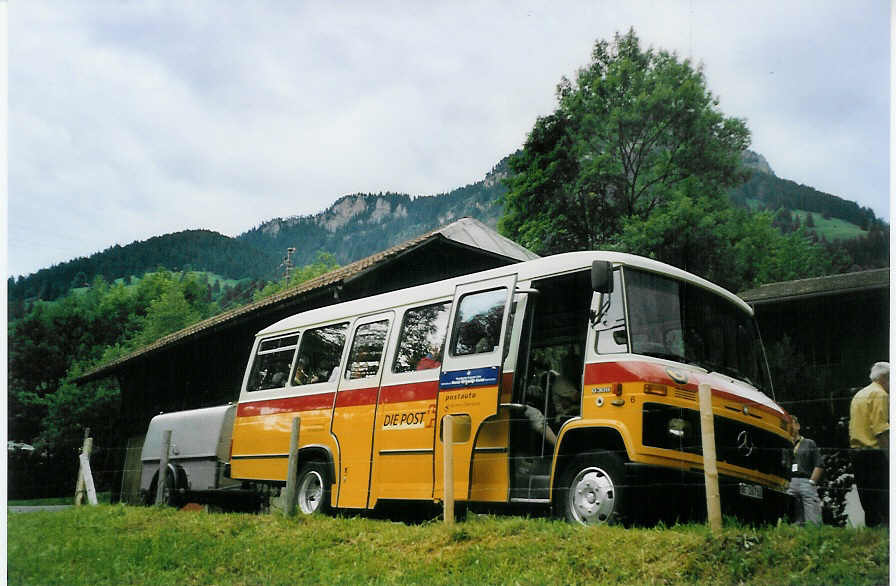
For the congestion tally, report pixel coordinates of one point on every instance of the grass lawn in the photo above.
(115, 544)
(833, 229)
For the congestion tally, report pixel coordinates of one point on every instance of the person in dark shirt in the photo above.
(806, 470)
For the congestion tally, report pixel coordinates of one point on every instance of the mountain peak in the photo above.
(756, 162)
(369, 208)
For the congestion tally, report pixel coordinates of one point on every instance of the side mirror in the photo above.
(602, 276)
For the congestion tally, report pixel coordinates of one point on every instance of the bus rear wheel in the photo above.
(591, 491)
(313, 488)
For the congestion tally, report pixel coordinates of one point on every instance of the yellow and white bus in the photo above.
(574, 378)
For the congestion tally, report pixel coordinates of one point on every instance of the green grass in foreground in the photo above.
(114, 544)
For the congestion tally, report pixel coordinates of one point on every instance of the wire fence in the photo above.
(117, 469)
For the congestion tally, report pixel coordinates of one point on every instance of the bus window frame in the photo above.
(390, 377)
(349, 324)
(291, 390)
(400, 321)
(512, 349)
(591, 353)
(492, 359)
(257, 351)
(365, 381)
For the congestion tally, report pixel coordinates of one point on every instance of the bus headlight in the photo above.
(678, 427)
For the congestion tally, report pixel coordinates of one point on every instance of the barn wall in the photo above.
(207, 369)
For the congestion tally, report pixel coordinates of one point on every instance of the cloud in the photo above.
(133, 120)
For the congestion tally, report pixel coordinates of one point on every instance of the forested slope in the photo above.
(358, 225)
(189, 250)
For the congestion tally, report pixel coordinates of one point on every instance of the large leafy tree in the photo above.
(636, 128)
(728, 245)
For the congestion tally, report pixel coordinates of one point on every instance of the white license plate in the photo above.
(753, 491)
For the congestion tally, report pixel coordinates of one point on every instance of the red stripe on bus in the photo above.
(625, 372)
(425, 391)
(356, 397)
(648, 372)
(287, 405)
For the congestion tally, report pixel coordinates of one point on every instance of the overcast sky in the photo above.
(131, 120)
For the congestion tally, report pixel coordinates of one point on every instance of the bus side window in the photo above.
(422, 338)
(478, 324)
(367, 350)
(270, 370)
(319, 355)
(608, 320)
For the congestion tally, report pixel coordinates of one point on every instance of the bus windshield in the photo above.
(678, 321)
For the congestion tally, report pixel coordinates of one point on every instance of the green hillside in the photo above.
(192, 249)
(828, 228)
(361, 224)
(204, 276)
(773, 193)
(831, 229)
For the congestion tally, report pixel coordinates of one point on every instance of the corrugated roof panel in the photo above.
(472, 232)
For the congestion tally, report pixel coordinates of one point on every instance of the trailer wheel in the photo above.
(590, 490)
(313, 488)
(168, 494)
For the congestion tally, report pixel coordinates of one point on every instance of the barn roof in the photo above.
(817, 287)
(467, 232)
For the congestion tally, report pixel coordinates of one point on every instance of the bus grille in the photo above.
(746, 446)
(737, 443)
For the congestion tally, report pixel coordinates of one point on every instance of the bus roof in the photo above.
(530, 270)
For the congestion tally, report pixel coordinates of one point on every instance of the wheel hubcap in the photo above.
(311, 492)
(592, 496)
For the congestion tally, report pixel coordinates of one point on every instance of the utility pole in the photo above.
(287, 264)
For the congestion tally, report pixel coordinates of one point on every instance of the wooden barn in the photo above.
(822, 335)
(840, 323)
(203, 365)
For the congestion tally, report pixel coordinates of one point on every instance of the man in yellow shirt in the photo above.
(869, 438)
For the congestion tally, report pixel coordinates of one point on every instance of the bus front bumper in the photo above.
(658, 493)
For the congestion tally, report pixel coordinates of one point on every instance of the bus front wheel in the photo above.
(590, 490)
(313, 490)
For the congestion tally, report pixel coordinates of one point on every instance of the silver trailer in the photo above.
(197, 458)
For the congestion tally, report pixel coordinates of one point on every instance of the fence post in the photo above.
(710, 469)
(86, 448)
(88, 478)
(289, 506)
(448, 460)
(163, 467)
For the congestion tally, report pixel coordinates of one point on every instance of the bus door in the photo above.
(547, 386)
(492, 466)
(355, 408)
(469, 384)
